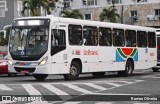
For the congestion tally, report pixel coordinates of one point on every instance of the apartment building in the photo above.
(9, 9)
(135, 12)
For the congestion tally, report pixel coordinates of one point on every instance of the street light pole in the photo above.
(113, 2)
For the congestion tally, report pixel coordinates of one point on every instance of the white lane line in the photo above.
(72, 102)
(4, 87)
(38, 102)
(127, 82)
(84, 91)
(30, 89)
(114, 84)
(95, 86)
(155, 77)
(57, 91)
(54, 89)
(104, 103)
(7, 102)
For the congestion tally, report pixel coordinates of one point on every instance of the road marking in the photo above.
(31, 90)
(38, 102)
(54, 89)
(114, 84)
(127, 82)
(72, 102)
(6, 102)
(95, 86)
(155, 77)
(4, 87)
(104, 103)
(57, 91)
(84, 91)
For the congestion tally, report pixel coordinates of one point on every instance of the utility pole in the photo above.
(113, 2)
(122, 14)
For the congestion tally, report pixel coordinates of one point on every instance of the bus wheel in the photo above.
(98, 74)
(40, 77)
(155, 69)
(74, 72)
(128, 69)
(12, 74)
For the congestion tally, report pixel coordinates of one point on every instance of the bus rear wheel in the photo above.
(128, 69)
(40, 77)
(98, 74)
(74, 72)
(155, 69)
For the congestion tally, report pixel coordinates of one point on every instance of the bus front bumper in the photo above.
(44, 69)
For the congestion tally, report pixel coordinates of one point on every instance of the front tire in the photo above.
(74, 72)
(155, 69)
(40, 77)
(128, 69)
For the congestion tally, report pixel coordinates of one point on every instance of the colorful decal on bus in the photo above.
(123, 53)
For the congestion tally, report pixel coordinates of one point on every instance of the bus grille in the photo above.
(19, 69)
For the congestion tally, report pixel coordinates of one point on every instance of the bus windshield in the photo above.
(29, 37)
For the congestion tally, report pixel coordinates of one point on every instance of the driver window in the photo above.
(58, 37)
(58, 41)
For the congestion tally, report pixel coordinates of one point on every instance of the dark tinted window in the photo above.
(151, 40)
(118, 37)
(75, 34)
(90, 35)
(130, 38)
(141, 39)
(105, 37)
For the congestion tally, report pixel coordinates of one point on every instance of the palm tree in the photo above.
(71, 14)
(32, 7)
(109, 14)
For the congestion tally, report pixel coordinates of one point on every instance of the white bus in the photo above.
(157, 67)
(69, 47)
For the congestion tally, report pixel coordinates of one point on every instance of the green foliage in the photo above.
(109, 14)
(34, 7)
(71, 14)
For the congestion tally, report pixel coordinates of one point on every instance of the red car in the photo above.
(4, 67)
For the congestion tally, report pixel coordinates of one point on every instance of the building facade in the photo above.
(9, 9)
(134, 12)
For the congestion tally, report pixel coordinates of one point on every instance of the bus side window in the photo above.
(58, 37)
(58, 41)
(141, 39)
(90, 35)
(75, 34)
(105, 36)
(130, 38)
(118, 37)
(151, 40)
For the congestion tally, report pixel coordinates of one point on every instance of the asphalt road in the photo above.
(140, 88)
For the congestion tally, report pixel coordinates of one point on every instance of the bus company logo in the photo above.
(90, 52)
(123, 53)
(76, 52)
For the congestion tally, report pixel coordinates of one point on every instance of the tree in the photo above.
(71, 14)
(32, 7)
(109, 14)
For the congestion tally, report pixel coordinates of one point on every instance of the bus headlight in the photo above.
(10, 62)
(43, 61)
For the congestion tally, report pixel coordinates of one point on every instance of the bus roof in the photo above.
(92, 23)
